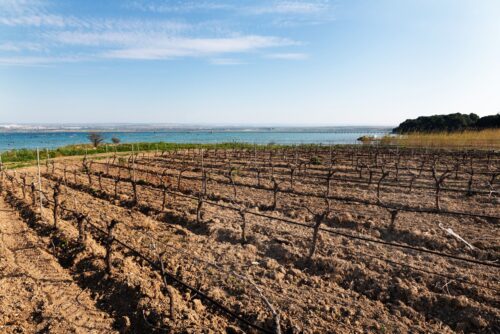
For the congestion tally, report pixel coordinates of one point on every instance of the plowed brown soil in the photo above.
(349, 286)
(37, 295)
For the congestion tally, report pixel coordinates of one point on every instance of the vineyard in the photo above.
(289, 240)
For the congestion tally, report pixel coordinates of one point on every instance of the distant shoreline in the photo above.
(195, 131)
(15, 128)
(56, 138)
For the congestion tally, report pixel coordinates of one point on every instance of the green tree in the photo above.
(95, 138)
(450, 123)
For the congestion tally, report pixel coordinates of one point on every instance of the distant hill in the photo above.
(448, 123)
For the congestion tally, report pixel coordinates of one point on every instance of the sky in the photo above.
(289, 62)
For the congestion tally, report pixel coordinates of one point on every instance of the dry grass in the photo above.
(486, 139)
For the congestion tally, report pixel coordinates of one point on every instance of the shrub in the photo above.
(95, 138)
(366, 139)
(315, 160)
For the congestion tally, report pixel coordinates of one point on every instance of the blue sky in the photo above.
(303, 62)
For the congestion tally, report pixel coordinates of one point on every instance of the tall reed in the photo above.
(485, 139)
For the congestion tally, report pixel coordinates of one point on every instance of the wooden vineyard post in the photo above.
(456, 168)
(65, 171)
(1, 172)
(230, 177)
(276, 188)
(23, 178)
(394, 214)
(133, 179)
(292, 172)
(202, 167)
(116, 180)
(33, 193)
(57, 191)
(376, 158)
(4, 178)
(258, 170)
(109, 246)
(470, 182)
(203, 175)
(46, 160)
(99, 179)
(2, 182)
(421, 169)
(396, 165)
(39, 180)
(359, 168)
(108, 161)
(204, 183)
(134, 191)
(164, 187)
(329, 177)
(491, 183)
(243, 226)
(198, 209)
(80, 221)
(370, 175)
(330, 153)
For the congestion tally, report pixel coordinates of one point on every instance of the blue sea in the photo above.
(54, 139)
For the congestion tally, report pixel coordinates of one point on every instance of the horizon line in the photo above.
(184, 124)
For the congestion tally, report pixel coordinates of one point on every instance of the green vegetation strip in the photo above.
(18, 158)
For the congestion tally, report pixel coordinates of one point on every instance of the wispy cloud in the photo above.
(21, 46)
(40, 20)
(31, 13)
(195, 47)
(177, 7)
(146, 36)
(72, 22)
(287, 56)
(291, 7)
(39, 61)
(21, 6)
(226, 61)
(294, 7)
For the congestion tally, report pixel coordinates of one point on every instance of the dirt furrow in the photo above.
(46, 299)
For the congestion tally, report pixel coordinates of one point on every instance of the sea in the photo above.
(10, 140)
